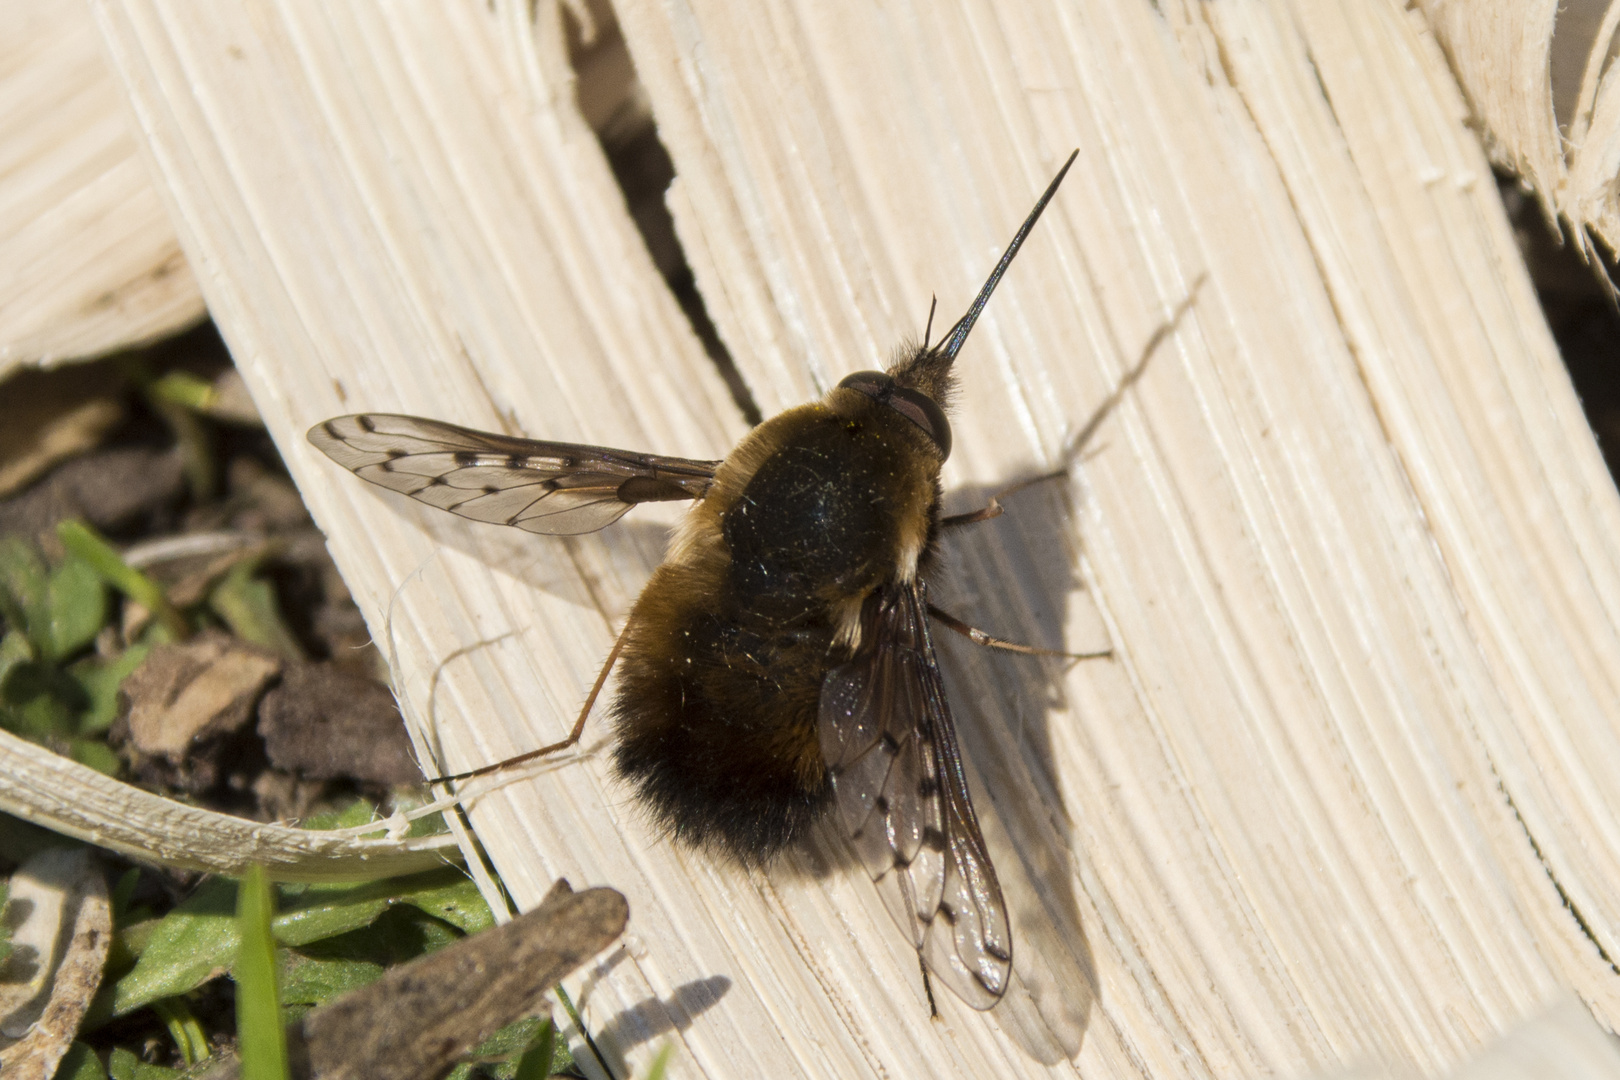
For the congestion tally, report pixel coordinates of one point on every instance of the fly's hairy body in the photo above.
(717, 714)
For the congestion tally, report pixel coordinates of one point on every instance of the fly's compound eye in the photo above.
(925, 412)
(874, 384)
(920, 409)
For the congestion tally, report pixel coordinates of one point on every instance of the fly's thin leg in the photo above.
(989, 641)
(993, 508)
(573, 736)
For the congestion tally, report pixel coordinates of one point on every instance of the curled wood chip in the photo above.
(75, 800)
(188, 706)
(206, 686)
(59, 946)
(419, 1018)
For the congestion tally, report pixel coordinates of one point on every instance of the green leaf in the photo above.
(73, 610)
(323, 911)
(40, 702)
(546, 1056)
(360, 812)
(247, 604)
(132, 930)
(22, 584)
(190, 945)
(346, 935)
(530, 1048)
(523, 1050)
(515, 1038)
(363, 812)
(80, 1063)
(192, 440)
(184, 389)
(430, 825)
(184, 1028)
(36, 678)
(458, 903)
(330, 910)
(100, 679)
(259, 1026)
(122, 893)
(399, 934)
(97, 755)
(83, 541)
(124, 1065)
(138, 934)
(309, 980)
(15, 649)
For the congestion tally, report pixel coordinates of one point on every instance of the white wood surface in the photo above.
(89, 262)
(1348, 536)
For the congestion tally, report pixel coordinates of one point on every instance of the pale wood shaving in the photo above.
(59, 898)
(89, 261)
(66, 797)
(1503, 56)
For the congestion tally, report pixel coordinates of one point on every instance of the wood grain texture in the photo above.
(1345, 780)
(89, 262)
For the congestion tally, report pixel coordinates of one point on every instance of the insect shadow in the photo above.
(652, 1017)
(1028, 561)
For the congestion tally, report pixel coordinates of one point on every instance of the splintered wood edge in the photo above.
(1502, 56)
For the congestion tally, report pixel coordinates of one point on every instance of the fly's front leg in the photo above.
(993, 508)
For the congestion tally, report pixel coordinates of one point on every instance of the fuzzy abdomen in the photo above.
(716, 719)
(717, 714)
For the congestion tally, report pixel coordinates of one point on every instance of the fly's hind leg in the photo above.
(573, 736)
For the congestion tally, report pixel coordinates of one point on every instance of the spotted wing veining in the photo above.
(902, 797)
(542, 487)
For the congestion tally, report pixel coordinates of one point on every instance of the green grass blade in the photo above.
(184, 1028)
(259, 1030)
(660, 1064)
(87, 544)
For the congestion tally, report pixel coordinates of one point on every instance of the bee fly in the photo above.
(778, 666)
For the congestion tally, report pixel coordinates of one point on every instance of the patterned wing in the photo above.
(890, 746)
(541, 487)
